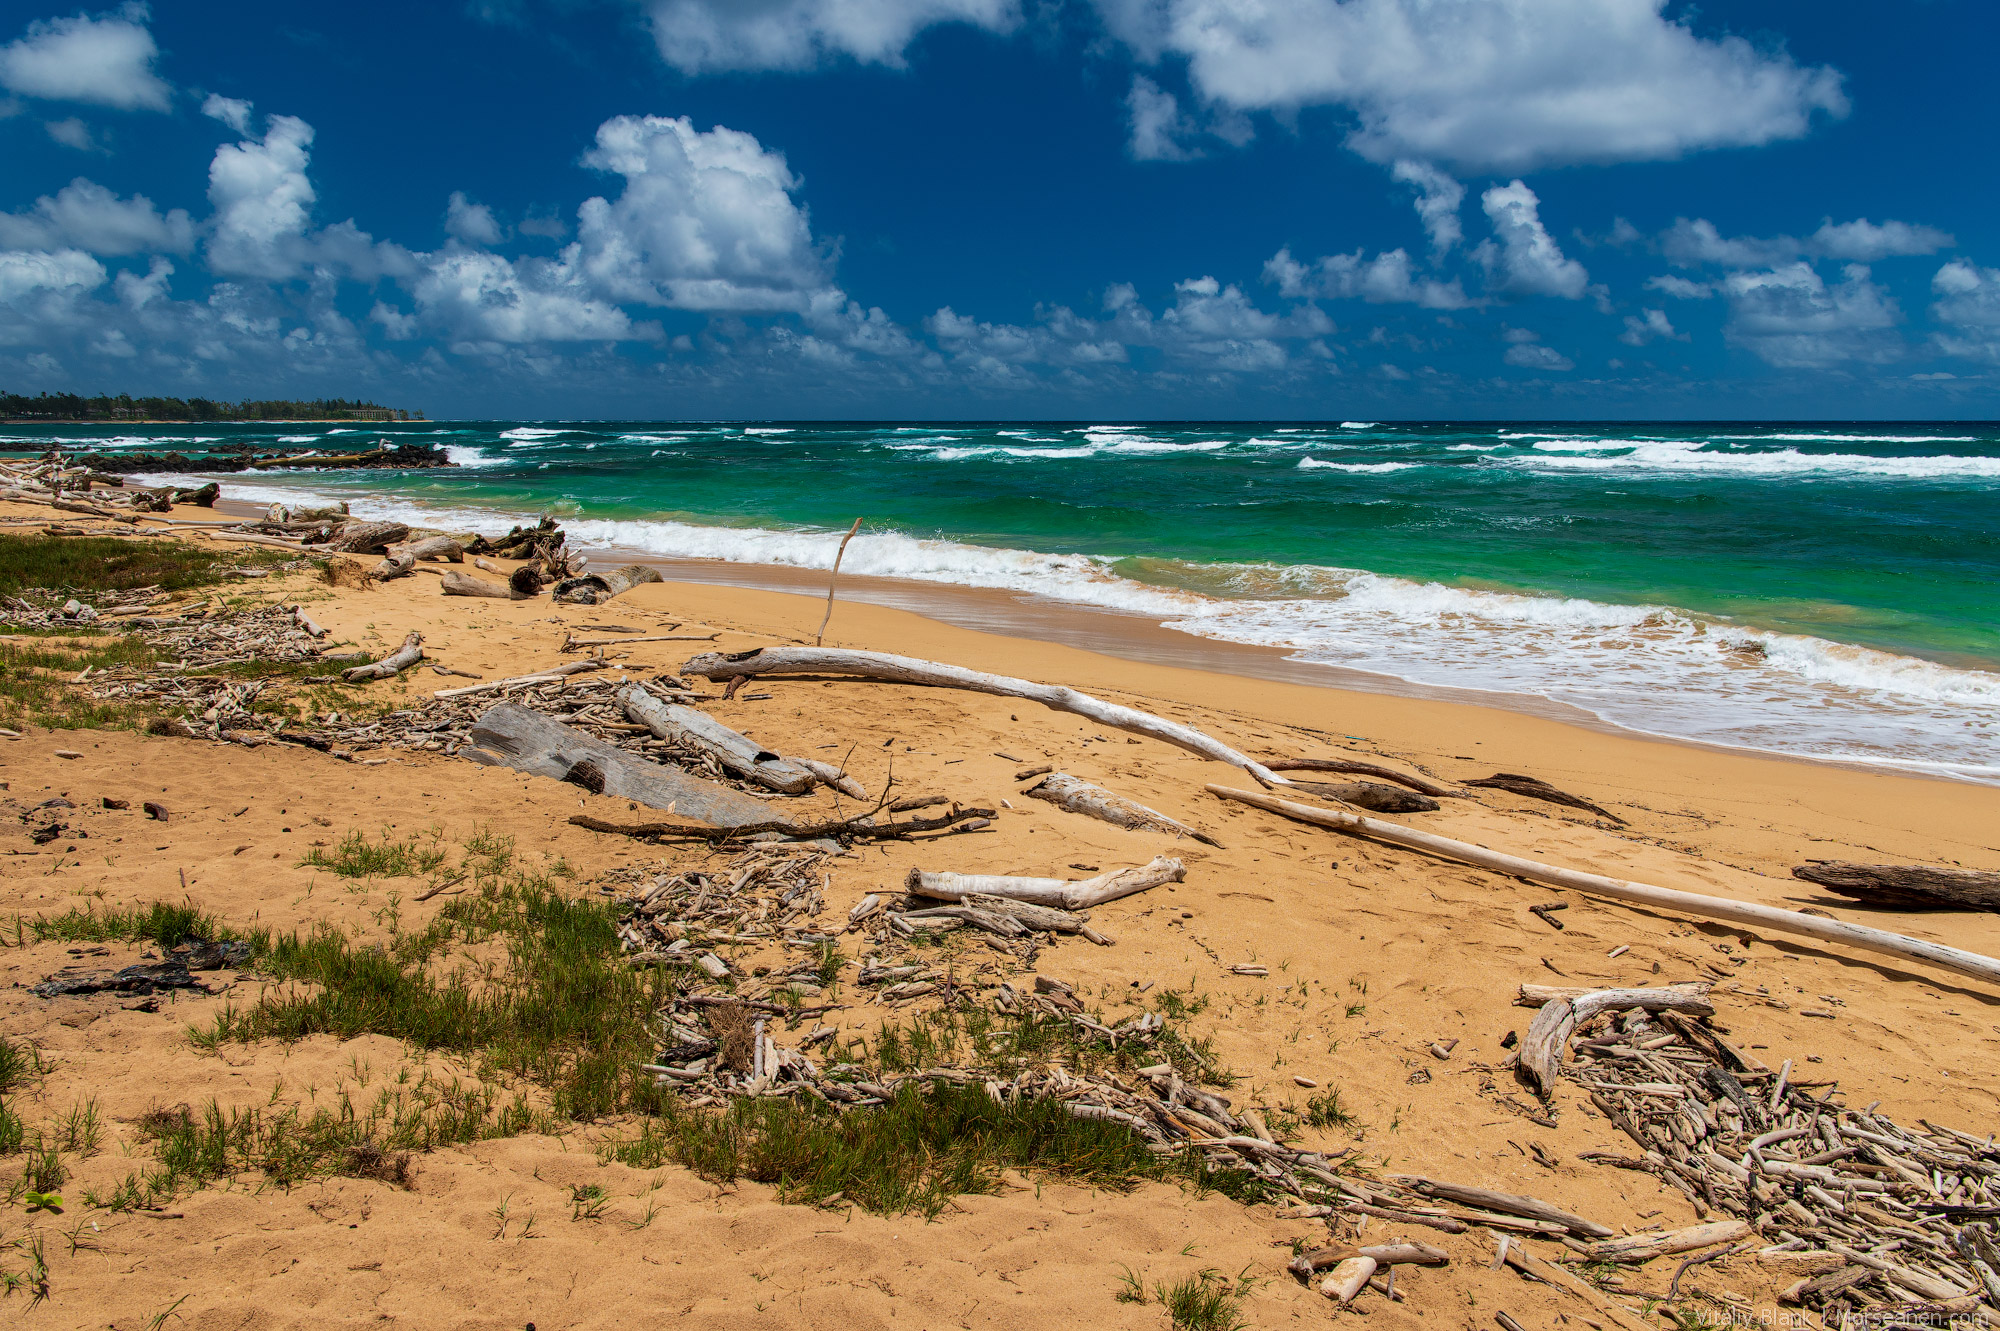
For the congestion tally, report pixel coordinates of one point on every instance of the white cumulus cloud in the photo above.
(703, 36)
(1438, 198)
(1526, 261)
(1864, 242)
(1643, 327)
(84, 215)
(24, 273)
(1791, 317)
(231, 111)
(105, 60)
(1384, 280)
(1493, 85)
(1698, 242)
(263, 213)
(1160, 130)
(470, 222)
(479, 298)
(1968, 301)
(706, 221)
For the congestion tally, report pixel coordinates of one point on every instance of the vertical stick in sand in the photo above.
(838, 555)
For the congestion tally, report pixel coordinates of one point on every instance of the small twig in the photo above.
(1674, 1287)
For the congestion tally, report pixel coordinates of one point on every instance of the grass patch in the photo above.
(164, 922)
(1326, 1111)
(295, 1144)
(564, 1009)
(82, 564)
(1009, 1042)
(1205, 1301)
(358, 857)
(912, 1154)
(36, 688)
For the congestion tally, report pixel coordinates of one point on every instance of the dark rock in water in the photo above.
(175, 971)
(232, 458)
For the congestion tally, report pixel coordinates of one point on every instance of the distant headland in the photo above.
(19, 408)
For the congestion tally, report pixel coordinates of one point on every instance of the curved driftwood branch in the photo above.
(698, 730)
(1423, 785)
(911, 670)
(1548, 1035)
(411, 652)
(1058, 893)
(1370, 795)
(1080, 796)
(1618, 889)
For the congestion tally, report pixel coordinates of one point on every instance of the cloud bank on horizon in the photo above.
(688, 274)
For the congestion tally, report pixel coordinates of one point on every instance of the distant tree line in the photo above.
(71, 407)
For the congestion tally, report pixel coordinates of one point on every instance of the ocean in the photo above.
(1826, 590)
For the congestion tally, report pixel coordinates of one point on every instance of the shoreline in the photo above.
(1144, 638)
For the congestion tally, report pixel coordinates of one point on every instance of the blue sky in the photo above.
(1016, 208)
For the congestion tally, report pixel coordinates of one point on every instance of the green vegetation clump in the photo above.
(37, 681)
(163, 922)
(358, 857)
(81, 565)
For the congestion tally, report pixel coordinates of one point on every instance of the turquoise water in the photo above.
(1825, 589)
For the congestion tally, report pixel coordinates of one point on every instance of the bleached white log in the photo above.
(464, 584)
(1093, 801)
(1059, 893)
(912, 670)
(833, 778)
(1618, 889)
(411, 652)
(1548, 1035)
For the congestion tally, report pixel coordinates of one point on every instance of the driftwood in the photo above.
(1541, 995)
(445, 548)
(1079, 796)
(1370, 795)
(1548, 1036)
(541, 677)
(862, 828)
(394, 566)
(692, 729)
(411, 652)
(597, 588)
(1506, 1203)
(464, 584)
(1617, 889)
(1059, 893)
(833, 580)
(369, 538)
(1423, 785)
(833, 778)
(1907, 886)
(1645, 1247)
(911, 670)
(1537, 789)
(509, 736)
(1348, 1279)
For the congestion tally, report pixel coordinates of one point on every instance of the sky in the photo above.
(1155, 209)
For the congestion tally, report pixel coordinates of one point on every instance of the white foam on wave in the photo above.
(300, 438)
(1314, 464)
(1690, 456)
(1858, 438)
(469, 455)
(1359, 425)
(526, 434)
(1648, 668)
(759, 429)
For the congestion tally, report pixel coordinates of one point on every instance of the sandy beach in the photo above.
(1373, 956)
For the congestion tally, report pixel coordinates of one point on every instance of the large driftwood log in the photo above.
(1541, 995)
(1548, 1035)
(1423, 785)
(509, 736)
(464, 584)
(1080, 796)
(1618, 889)
(447, 549)
(411, 652)
(1061, 894)
(911, 670)
(698, 730)
(861, 828)
(1907, 886)
(396, 565)
(539, 677)
(1537, 789)
(1370, 795)
(597, 588)
(369, 538)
